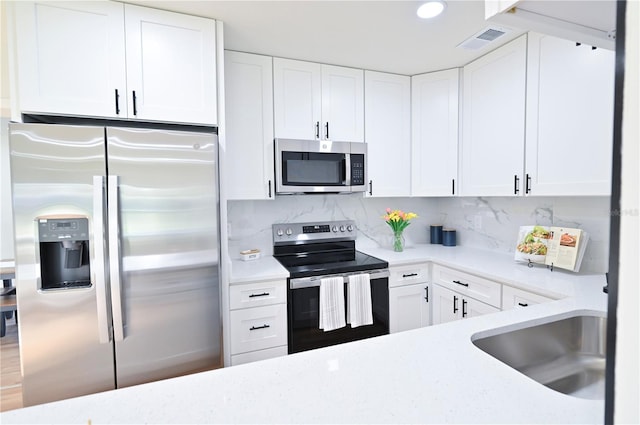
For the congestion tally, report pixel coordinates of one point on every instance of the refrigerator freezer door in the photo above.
(169, 245)
(60, 330)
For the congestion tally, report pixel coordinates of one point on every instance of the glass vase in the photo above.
(398, 241)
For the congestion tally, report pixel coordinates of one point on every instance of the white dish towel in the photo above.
(359, 311)
(332, 303)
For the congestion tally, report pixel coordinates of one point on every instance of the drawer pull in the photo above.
(455, 304)
(461, 283)
(464, 309)
(523, 304)
(264, 294)
(410, 275)
(253, 328)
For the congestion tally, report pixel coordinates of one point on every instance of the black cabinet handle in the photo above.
(523, 304)
(464, 308)
(269, 188)
(527, 184)
(371, 187)
(461, 283)
(426, 290)
(410, 275)
(455, 304)
(326, 126)
(516, 184)
(117, 103)
(253, 328)
(453, 186)
(135, 103)
(264, 294)
(317, 129)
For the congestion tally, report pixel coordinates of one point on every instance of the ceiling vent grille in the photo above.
(482, 38)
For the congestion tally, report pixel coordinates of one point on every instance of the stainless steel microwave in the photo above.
(320, 166)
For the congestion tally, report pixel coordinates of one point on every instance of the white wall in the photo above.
(627, 383)
(6, 219)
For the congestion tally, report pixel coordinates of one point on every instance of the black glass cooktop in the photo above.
(326, 258)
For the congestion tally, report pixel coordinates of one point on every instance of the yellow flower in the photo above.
(398, 219)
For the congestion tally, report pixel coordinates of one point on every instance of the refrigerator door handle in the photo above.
(99, 259)
(114, 258)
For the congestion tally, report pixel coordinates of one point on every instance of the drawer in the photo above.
(485, 290)
(517, 298)
(408, 275)
(254, 356)
(257, 294)
(258, 328)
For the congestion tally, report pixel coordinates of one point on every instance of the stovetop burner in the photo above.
(323, 248)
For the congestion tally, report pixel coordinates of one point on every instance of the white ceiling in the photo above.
(377, 35)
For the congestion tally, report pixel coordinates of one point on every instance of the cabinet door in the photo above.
(249, 132)
(342, 104)
(434, 141)
(409, 307)
(447, 305)
(570, 91)
(71, 58)
(171, 66)
(473, 308)
(296, 98)
(387, 126)
(492, 148)
(517, 298)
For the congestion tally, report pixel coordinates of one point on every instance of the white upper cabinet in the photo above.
(493, 122)
(321, 102)
(249, 126)
(434, 142)
(71, 58)
(171, 66)
(297, 99)
(88, 59)
(570, 98)
(387, 128)
(342, 104)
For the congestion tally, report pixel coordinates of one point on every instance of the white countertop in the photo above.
(428, 375)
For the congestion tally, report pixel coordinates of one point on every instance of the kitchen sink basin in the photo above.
(566, 355)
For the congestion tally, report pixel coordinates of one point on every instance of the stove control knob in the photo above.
(279, 232)
(350, 228)
(335, 229)
(289, 231)
(342, 229)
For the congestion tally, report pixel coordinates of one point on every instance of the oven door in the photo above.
(311, 166)
(303, 317)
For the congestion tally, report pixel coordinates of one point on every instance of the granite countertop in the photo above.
(427, 375)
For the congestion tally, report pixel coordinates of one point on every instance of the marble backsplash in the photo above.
(485, 223)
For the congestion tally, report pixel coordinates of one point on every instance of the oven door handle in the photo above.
(313, 281)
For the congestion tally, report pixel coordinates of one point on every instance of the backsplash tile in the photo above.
(485, 223)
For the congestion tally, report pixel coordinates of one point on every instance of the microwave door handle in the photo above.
(347, 169)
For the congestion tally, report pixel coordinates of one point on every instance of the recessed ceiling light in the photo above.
(431, 9)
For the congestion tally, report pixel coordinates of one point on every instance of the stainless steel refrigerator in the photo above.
(117, 256)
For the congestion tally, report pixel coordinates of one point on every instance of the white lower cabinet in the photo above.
(457, 295)
(258, 321)
(409, 298)
(450, 305)
(517, 298)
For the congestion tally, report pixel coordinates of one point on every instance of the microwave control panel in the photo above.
(357, 169)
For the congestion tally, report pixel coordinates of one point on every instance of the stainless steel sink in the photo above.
(566, 355)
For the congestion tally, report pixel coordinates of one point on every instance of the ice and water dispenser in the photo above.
(64, 253)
